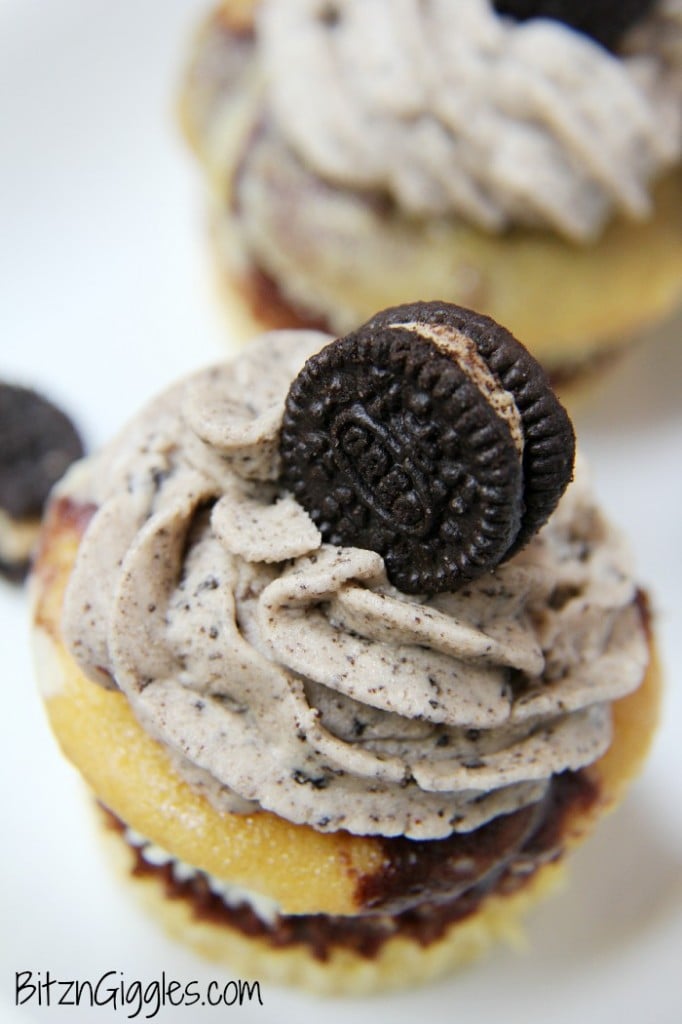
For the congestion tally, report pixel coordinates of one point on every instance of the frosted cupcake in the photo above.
(360, 154)
(349, 662)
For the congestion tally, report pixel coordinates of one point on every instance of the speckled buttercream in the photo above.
(453, 109)
(286, 674)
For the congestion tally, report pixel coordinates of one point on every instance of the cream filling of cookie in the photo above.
(450, 108)
(290, 673)
(17, 538)
(464, 352)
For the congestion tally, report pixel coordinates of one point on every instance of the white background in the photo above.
(106, 295)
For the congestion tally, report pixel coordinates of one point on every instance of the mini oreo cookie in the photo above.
(37, 444)
(604, 20)
(431, 436)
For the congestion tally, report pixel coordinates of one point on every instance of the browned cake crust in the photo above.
(404, 880)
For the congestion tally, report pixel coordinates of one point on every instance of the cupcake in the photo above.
(519, 158)
(348, 659)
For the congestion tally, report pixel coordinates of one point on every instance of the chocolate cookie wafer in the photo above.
(37, 444)
(431, 436)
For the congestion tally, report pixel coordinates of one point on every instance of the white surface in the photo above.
(105, 296)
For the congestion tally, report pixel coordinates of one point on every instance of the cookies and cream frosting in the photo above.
(451, 109)
(287, 674)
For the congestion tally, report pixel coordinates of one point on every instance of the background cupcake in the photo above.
(360, 154)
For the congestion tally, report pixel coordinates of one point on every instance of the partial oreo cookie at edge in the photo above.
(431, 436)
(37, 444)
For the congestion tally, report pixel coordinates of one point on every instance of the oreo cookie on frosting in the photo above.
(431, 436)
(604, 20)
(37, 444)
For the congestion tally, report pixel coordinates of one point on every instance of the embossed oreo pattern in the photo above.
(390, 445)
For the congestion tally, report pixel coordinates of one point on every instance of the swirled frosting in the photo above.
(450, 108)
(286, 674)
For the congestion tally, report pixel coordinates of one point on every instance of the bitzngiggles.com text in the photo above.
(142, 999)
